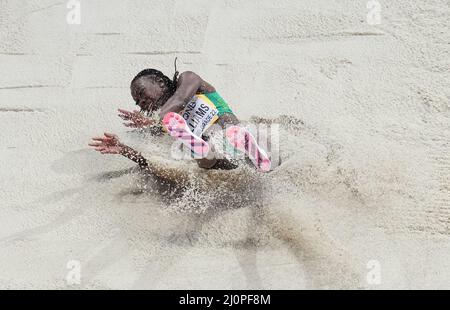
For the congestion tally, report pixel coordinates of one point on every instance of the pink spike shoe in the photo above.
(242, 140)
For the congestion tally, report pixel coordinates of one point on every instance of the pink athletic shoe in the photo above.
(241, 139)
(177, 127)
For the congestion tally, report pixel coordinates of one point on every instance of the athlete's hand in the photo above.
(135, 118)
(109, 144)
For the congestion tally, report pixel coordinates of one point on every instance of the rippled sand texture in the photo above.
(363, 112)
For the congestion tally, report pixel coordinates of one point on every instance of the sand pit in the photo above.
(361, 198)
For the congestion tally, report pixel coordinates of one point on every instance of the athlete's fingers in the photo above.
(132, 125)
(124, 111)
(104, 139)
(136, 117)
(125, 115)
(136, 121)
(95, 144)
(110, 135)
(100, 148)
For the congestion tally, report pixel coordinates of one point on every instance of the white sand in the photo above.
(365, 177)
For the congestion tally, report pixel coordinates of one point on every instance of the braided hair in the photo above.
(169, 85)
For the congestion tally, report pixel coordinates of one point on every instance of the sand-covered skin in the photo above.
(364, 119)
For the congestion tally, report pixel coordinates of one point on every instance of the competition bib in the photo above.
(199, 114)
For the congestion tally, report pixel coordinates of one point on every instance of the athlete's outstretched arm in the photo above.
(135, 156)
(187, 86)
(110, 144)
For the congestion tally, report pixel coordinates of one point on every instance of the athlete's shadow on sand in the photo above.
(312, 248)
(225, 201)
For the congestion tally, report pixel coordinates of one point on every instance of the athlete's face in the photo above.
(149, 96)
